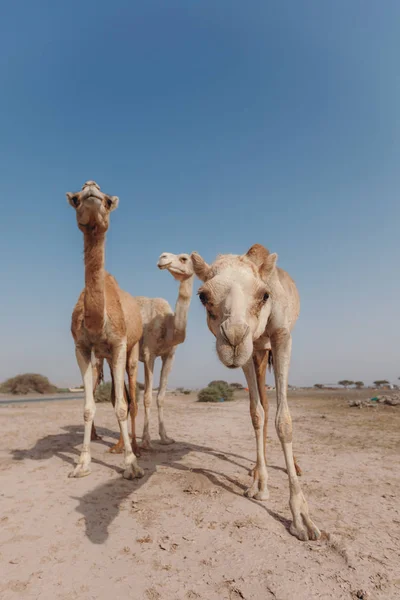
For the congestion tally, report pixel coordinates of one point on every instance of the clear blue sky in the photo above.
(218, 124)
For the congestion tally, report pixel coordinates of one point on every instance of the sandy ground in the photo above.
(185, 531)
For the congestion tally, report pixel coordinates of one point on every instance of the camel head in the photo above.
(179, 265)
(237, 296)
(93, 207)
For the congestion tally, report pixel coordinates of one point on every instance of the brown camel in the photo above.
(106, 321)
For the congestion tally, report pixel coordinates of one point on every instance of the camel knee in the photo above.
(88, 414)
(284, 428)
(160, 401)
(257, 418)
(121, 411)
(147, 401)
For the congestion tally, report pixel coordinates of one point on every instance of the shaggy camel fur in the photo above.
(106, 321)
(163, 330)
(252, 306)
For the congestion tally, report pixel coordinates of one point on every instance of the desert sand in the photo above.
(185, 530)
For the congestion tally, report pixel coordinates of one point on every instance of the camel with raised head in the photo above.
(106, 322)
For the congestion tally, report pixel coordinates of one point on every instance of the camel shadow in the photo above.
(101, 505)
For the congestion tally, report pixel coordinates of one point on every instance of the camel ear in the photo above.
(200, 267)
(268, 266)
(73, 199)
(112, 202)
(260, 256)
(257, 254)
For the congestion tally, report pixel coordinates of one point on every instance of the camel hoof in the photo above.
(116, 449)
(79, 471)
(262, 495)
(256, 494)
(146, 445)
(309, 532)
(133, 473)
(167, 441)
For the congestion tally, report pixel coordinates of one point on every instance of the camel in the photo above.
(252, 306)
(106, 321)
(163, 330)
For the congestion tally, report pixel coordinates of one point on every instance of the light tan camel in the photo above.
(163, 330)
(252, 306)
(106, 321)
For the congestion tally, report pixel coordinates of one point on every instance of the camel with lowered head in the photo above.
(106, 321)
(163, 330)
(252, 306)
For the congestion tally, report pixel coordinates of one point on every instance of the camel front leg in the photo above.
(132, 468)
(260, 358)
(147, 398)
(302, 526)
(167, 361)
(83, 357)
(259, 487)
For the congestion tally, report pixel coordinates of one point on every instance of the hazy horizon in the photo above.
(218, 126)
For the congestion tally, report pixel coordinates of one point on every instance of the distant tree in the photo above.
(359, 384)
(380, 382)
(345, 383)
(319, 386)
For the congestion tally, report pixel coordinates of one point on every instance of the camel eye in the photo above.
(265, 297)
(203, 298)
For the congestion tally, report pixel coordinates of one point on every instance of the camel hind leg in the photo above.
(118, 367)
(98, 377)
(167, 361)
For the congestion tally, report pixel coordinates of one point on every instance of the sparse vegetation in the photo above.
(28, 383)
(216, 391)
(237, 386)
(319, 386)
(103, 392)
(359, 384)
(346, 383)
(380, 382)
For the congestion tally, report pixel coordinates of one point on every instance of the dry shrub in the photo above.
(28, 383)
(103, 392)
(216, 391)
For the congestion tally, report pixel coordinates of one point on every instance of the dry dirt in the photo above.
(185, 531)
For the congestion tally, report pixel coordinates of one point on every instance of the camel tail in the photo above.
(270, 362)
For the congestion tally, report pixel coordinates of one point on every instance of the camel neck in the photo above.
(182, 309)
(94, 249)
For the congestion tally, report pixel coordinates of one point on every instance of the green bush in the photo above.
(216, 391)
(217, 382)
(187, 392)
(237, 386)
(103, 392)
(209, 394)
(28, 383)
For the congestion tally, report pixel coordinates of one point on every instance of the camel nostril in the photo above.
(234, 333)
